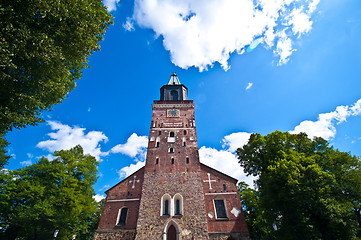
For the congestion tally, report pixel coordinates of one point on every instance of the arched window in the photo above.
(122, 216)
(165, 209)
(171, 134)
(178, 204)
(157, 142)
(156, 160)
(172, 160)
(185, 132)
(184, 141)
(220, 207)
(187, 160)
(171, 150)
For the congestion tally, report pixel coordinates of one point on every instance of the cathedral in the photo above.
(173, 196)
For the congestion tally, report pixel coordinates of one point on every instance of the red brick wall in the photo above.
(165, 125)
(122, 191)
(232, 201)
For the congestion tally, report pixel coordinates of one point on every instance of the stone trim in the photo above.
(172, 105)
(221, 193)
(123, 200)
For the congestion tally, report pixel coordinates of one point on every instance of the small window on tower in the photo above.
(156, 160)
(160, 133)
(185, 132)
(187, 160)
(171, 134)
(171, 150)
(172, 160)
(157, 142)
(224, 187)
(166, 207)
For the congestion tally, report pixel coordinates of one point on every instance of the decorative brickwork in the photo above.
(174, 194)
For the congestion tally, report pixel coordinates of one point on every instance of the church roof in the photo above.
(174, 80)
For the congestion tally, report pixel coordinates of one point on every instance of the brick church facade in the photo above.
(173, 196)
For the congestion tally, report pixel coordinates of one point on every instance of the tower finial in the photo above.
(174, 80)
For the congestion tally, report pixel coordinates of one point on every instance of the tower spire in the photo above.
(174, 90)
(173, 80)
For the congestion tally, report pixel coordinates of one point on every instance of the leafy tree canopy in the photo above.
(49, 195)
(307, 189)
(44, 46)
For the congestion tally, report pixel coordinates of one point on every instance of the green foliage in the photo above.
(3, 157)
(305, 187)
(49, 195)
(44, 46)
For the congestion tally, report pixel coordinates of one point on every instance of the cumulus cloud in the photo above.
(135, 145)
(136, 148)
(128, 170)
(325, 125)
(66, 137)
(235, 140)
(98, 197)
(111, 4)
(225, 162)
(200, 33)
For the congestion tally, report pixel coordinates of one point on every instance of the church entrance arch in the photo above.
(171, 231)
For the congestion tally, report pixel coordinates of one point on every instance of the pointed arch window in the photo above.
(178, 204)
(165, 209)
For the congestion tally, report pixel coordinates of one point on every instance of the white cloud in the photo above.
(235, 140)
(98, 197)
(105, 187)
(325, 125)
(225, 162)
(129, 25)
(66, 137)
(249, 85)
(26, 163)
(128, 170)
(135, 146)
(200, 33)
(300, 22)
(111, 4)
(284, 48)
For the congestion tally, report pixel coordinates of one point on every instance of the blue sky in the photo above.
(250, 66)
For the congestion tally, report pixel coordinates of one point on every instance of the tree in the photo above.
(49, 195)
(307, 188)
(44, 46)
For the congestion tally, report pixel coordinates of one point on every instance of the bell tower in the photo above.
(172, 171)
(174, 90)
(174, 196)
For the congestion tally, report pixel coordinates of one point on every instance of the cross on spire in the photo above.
(209, 180)
(134, 181)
